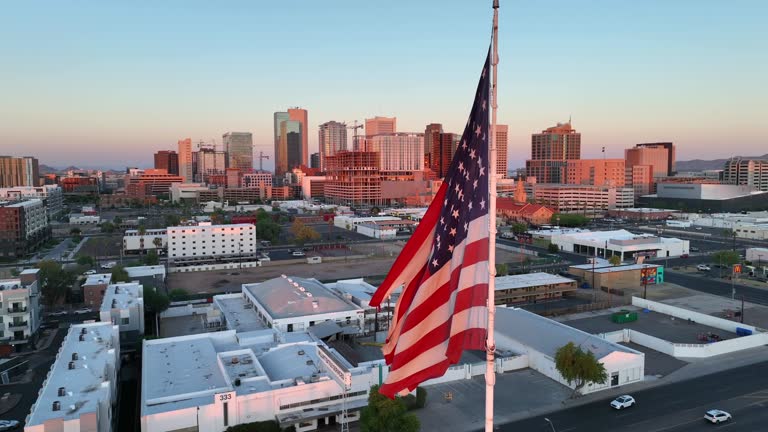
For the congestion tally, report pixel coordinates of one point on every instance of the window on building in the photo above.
(125, 321)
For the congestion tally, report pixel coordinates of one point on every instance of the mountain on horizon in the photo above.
(702, 164)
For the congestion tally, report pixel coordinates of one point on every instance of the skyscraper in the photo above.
(501, 150)
(239, 148)
(209, 163)
(400, 154)
(380, 125)
(431, 139)
(185, 160)
(659, 155)
(314, 160)
(19, 171)
(167, 160)
(443, 147)
(279, 118)
(289, 156)
(300, 115)
(332, 138)
(750, 172)
(550, 150)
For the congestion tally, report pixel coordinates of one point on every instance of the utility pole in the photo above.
(742, 308)
(645, 282)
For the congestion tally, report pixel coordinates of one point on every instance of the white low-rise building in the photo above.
(211, 381)
(757, 256)
(292, 304)
(135, 241)
(205, 241)
(540, 338)
(351, 222)
(81, 219)
(622, 243)
(123, 305)
(81, 388)
(19, 308)
(186, 191)
(148, 276)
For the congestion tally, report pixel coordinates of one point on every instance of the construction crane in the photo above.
(354, 128)
(262, 156)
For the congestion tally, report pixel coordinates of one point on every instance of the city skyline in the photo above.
(126, 85)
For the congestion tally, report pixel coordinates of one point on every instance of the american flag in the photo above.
(443, 268)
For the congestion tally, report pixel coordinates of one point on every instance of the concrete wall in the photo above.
(516, 249)
(709, 320)
(208, 267)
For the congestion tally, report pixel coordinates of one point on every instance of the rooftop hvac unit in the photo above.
(235, 360)
(71, 365)
(62, 391)
(56, 406)
(301, 352)
(74, 356)
(82, 338)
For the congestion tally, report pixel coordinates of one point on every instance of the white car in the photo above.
(6, 425)
(83, 311)
(622, 402)
(90, 272)
(58, 313)
(717, 416)
(703, 267)
(298, 253)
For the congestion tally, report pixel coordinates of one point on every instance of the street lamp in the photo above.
(550, 424)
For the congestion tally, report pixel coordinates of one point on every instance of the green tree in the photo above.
(55, 282)
(142, 229)
(375, 211)
(154, 301)
(726, 258)
(85, 260)
(117, 220)
(387, 415)
(178, 294)
(119, 274)
(552, 248)
(108, 227)
(158, 242)
(501, 269)
(614, 260)
(76, 232)
(172, 220)
(570, 220)
(265, 426)
(519, 228)
(262, 214)
(267, 229)
(579, 367)
(151, 258)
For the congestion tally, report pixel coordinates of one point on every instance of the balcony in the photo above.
(18, 325)
(17, 310)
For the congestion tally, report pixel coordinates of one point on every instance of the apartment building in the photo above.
(135, 241)
(23, 227)
(51, 195)
(19, 308)
(747, 172)
(80, 391)
(19, 171)
(208, 242)
(123, 306)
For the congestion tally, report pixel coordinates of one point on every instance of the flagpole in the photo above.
(490, 374)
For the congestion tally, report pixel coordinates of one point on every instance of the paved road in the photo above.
(717, 287)
(674, 407)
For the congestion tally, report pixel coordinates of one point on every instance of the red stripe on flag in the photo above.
(437, 370)
(424, 233)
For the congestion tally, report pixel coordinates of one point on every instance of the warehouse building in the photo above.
(531, 288)
(621, 243)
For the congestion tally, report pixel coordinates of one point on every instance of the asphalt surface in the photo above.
(743, 392)
(717, 287)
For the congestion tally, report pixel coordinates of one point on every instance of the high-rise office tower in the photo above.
(431, 139)
(289, 146)
(550, 150)
(19, 171)
(380, 125)
(332, 138)
(279, 118)
(185, 160)
(659, 155)
(167, 160)
(443, 149)
(400, 154)
(501, 150)
(314, 160)
(300, 115)
(239, 148)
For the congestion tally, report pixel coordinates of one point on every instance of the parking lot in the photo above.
(651, 323)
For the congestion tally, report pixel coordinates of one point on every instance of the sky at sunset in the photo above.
(95, 83)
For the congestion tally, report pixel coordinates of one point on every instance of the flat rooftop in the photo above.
(239, 316)
(98, 279)
(547, 336)
(602, 268)
(291, 361)
(287, 297)
(122, 296)
(11, 284)
(85, 385)
(143, 271)
(529, 280)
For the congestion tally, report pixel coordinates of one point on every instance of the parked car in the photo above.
(298, 253)
(622, 402)
(90, 272)
(717, 416)
(684, 256)
(109, 265)
(82, 311)
(703, 267)
(694, 249)
(6, 425)
(58, 313)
